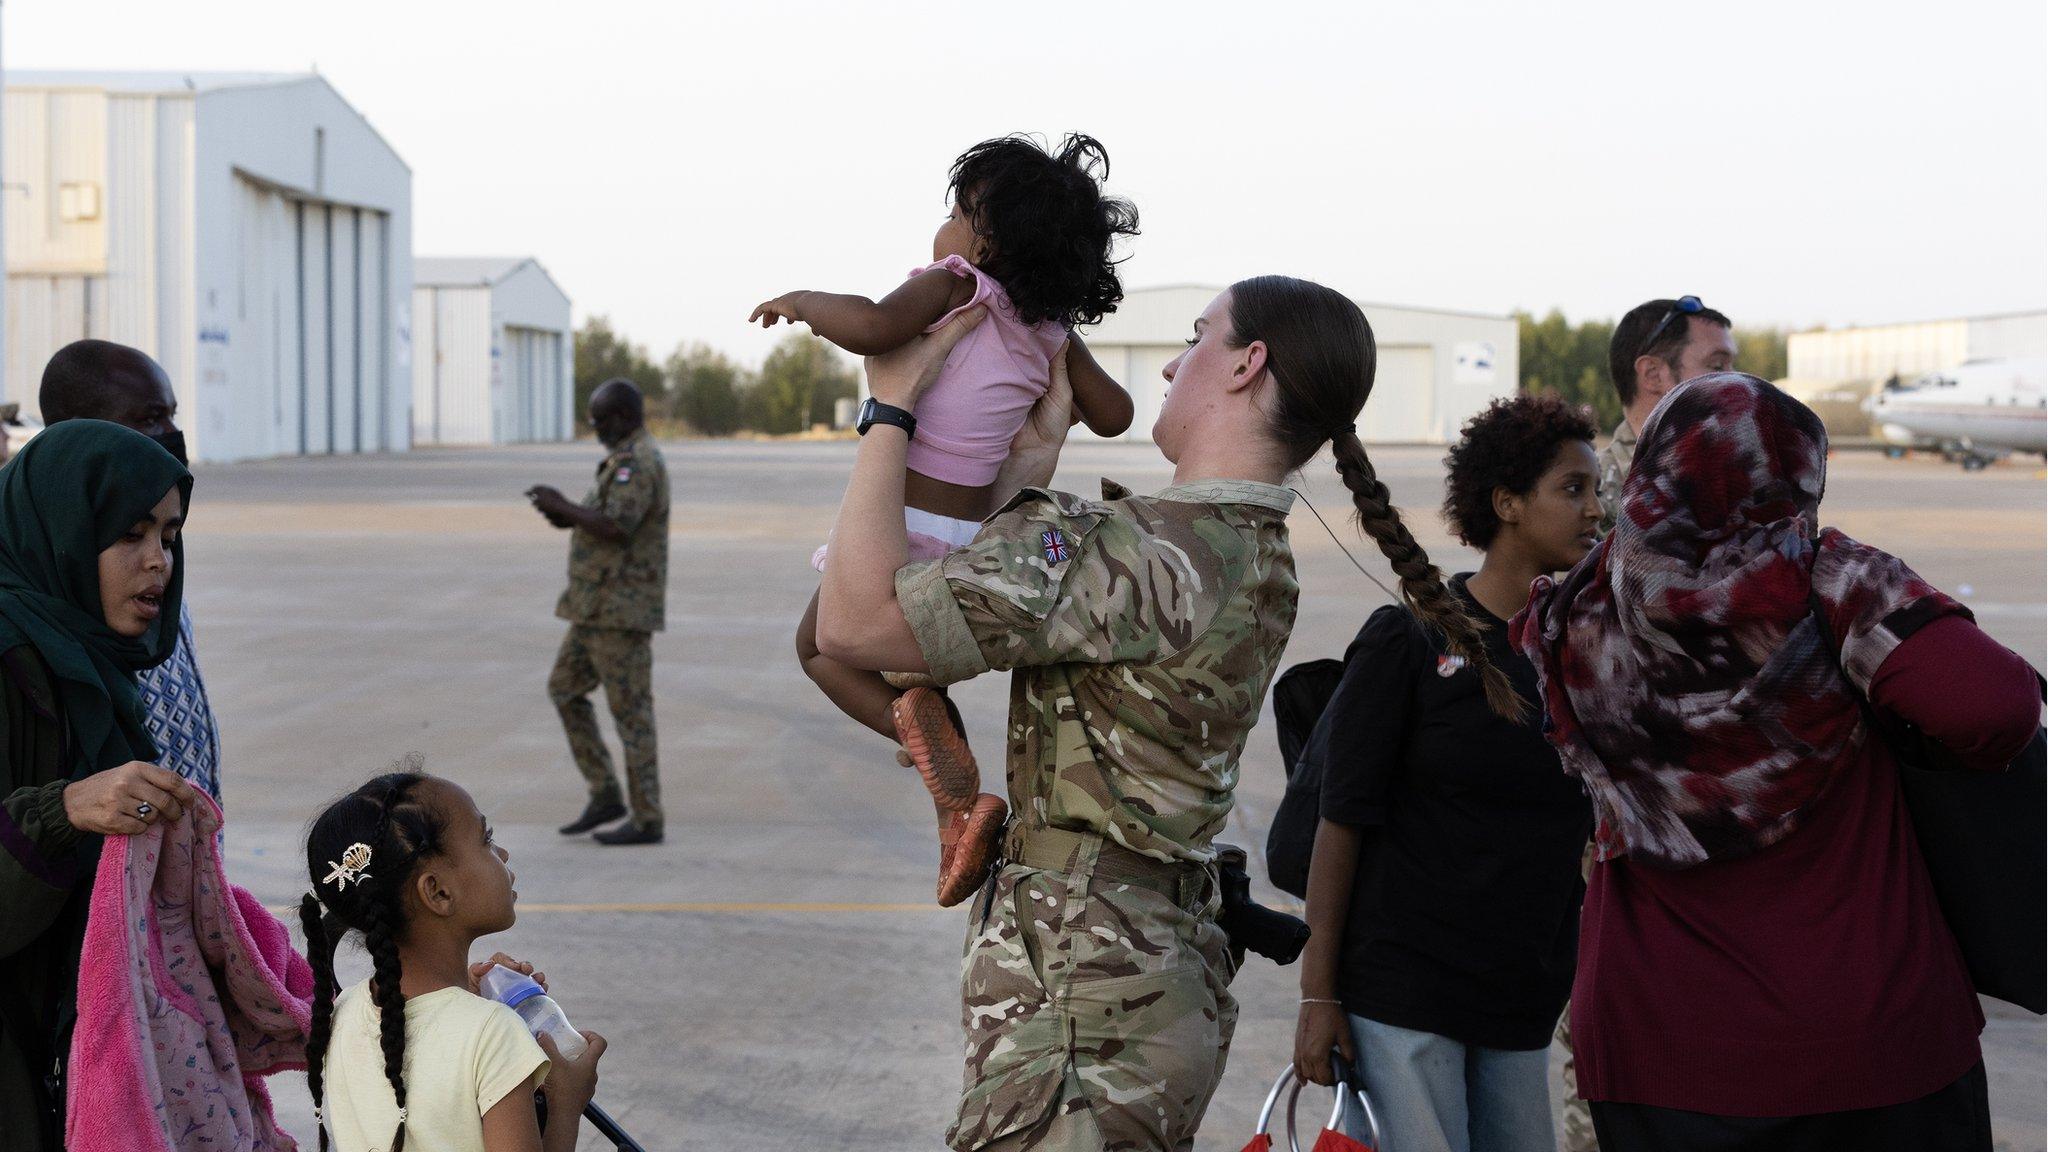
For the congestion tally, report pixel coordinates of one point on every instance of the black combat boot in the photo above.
(595, 813)
(628, 834)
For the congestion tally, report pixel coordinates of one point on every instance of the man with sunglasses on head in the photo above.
(1659, 345)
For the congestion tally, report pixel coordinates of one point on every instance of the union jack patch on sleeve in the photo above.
(1054, 542)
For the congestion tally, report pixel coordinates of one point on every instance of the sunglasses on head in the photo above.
(1686, 306)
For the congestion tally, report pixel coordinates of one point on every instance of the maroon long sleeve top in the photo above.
(1816, 975)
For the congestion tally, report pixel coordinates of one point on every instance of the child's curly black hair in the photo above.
(1510, 445)
(1047, 224)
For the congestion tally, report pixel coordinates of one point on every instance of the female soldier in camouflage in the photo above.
(1143, 632)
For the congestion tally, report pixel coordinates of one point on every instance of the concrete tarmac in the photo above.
(775, 974)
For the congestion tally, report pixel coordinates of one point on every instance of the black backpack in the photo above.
(1299, 697)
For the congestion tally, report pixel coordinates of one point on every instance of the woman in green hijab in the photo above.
(91, 580)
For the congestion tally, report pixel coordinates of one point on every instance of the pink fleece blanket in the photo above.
(189, 993)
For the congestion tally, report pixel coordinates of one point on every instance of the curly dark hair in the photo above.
(1510, 445)
(1047, 224)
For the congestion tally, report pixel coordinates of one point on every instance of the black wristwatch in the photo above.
(873, 412)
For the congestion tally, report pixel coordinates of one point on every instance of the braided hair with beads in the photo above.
(360, 854)
(1321, 356)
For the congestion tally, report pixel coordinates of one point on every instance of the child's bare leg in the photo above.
(861, 694)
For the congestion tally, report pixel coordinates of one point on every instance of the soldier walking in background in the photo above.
(618, 580)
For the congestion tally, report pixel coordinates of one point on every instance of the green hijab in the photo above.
(78, 487)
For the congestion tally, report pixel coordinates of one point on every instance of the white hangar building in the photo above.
(250, 230)
(1436, 369)
(1910, 350)
(494, 362)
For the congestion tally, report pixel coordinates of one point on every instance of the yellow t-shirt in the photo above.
(463, 1054)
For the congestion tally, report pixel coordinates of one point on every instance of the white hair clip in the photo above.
(353, 867)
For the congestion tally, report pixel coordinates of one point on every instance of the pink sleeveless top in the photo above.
(967, 418)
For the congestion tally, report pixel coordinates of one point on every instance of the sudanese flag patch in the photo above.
(625, 473)
(1054, 544)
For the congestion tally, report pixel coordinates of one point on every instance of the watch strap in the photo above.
(875, 412)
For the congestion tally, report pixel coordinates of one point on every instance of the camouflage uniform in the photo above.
(1614, 461)
(614, 605)
(1144, 632)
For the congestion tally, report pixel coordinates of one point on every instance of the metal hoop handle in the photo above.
(1347, 1087)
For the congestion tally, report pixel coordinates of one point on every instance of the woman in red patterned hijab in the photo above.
(1760, 940)
(1686, 681)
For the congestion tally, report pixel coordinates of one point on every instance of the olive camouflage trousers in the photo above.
(1098, 1014)
(623, 662)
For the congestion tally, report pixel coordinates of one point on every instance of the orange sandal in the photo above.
(938, 750)
(970, 821)
(968, 845)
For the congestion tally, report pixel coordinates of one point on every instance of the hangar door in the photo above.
(1402, 408)
(533, 386)
(344, 400)
(314, 304)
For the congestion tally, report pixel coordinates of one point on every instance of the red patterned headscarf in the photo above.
(1683, 678)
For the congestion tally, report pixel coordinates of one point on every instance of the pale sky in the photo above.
(674, 163)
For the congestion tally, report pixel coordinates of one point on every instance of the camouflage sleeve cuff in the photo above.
(935, 619)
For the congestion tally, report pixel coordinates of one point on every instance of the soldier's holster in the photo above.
(1090, 854)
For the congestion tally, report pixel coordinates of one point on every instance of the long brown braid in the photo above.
(1422, 583)
(1321, 356)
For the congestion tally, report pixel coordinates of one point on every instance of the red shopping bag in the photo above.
(1350, 1094)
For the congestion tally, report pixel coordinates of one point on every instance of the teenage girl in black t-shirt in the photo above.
(1444, 890)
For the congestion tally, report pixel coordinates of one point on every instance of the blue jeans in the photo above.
(1433, 1094)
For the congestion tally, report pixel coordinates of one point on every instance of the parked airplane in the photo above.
(1975, 412)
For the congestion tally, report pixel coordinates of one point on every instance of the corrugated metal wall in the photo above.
(334, 369)
(2009, 337)
(1876, 353)
(478, 382)
(308, 277)
(373, 274)
(533, 385)
(452, 366)
(267, 305)
(1402, 409)
(54, 138)
(345, 352)
(315, 272)
(44, 313)
(57, 283)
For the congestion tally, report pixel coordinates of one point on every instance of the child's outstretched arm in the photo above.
(1100, 401)
(867, 327)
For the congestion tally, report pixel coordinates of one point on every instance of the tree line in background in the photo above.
(802, 379)
(795, 388)
(1571, 360)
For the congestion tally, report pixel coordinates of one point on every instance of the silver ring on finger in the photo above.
(144, 811)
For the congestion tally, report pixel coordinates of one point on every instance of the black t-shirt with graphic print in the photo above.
(1464, 916)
